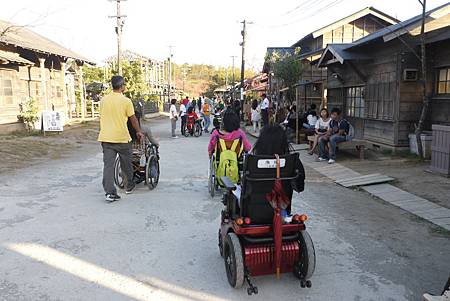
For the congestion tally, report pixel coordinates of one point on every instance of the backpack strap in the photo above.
(234, 145)
(223, 146)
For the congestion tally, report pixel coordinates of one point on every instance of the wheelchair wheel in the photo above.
(186, 131)
(118, 178)
(152, 172)
(197, 130)
(220, 243)
(212, 178)
(234, 261)
(306, 265)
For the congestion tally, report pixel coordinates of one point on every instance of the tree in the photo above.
(288, 68)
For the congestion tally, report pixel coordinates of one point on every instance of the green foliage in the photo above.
(287, 68)
(29, 113)
(93, 75)
(135, 85)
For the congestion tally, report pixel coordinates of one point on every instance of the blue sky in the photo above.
(202, 31)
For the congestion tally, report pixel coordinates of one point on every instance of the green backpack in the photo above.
(228, 162)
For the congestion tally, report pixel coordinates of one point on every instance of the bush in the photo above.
(29, 114)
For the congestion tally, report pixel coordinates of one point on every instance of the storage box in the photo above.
(440, 149)
(426, 138)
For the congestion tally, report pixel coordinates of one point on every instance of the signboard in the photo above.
(52, 121)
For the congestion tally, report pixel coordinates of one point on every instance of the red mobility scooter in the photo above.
(258, 234)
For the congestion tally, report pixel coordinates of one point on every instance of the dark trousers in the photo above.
(183, 124)
(110, 152)
(265, 117)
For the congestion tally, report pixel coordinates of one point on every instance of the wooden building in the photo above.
(32, 66)
(312, 86)
(376, 80)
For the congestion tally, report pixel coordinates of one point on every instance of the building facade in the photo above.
(376, 80)
(32, 66)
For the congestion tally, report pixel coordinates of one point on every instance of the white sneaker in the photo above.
(331, 161)
(444, 297)
(320, 159)
(174, 137)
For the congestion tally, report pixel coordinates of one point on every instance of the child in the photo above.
(231, 131)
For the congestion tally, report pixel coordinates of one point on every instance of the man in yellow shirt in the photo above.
(115, 110)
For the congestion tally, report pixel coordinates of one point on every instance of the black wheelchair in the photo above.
(214, 183)
(145, 161)
(254, 238)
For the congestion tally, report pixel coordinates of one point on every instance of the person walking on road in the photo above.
(115, 111)
(173, 117)
(205, 114)
(265, 109)
(256, 116)
(183, 110)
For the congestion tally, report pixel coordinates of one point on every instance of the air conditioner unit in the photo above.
(410, 75)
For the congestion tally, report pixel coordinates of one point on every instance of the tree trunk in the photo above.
(425, 99)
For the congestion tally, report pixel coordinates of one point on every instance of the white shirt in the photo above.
(312, 120)
(255, 115)
(264, 104)
(173, 112)
(182, 110)
(321, 124)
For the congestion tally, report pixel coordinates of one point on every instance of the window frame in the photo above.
(446, 82)
(3, 96)
(354, 101)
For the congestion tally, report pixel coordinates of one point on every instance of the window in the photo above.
(443, 86)
(6, 91)
(354, 97)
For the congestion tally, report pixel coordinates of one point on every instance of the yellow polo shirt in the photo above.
(115, 109)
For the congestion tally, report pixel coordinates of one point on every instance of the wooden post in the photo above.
(297, 103)
(64, 91)
(81, 87)
(43, 82)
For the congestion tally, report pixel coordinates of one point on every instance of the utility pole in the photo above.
(234, 77)
(184, 73)
(119, 25)
(244, 36)
(425, 99)
(170, 71)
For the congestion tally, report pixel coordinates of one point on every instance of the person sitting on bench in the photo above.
(337, 132)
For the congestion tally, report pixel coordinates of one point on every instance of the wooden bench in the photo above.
(360, 145)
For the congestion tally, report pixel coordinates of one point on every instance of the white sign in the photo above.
(270, 163)
(52, 121)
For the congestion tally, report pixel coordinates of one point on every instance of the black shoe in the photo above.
(112, 197)
(130, 190)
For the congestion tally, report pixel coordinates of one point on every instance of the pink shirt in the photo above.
(228, 136)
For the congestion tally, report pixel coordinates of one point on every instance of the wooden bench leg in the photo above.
(361, 149)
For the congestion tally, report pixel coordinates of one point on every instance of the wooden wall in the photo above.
(26, 83)
(439, 56)
(379, 76)
(353, 31)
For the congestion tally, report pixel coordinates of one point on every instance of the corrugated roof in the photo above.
(21, 36)
(394, 28)
(359, 14)
(341, 53)
(6, 57)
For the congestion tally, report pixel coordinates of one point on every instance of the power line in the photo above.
(332, 4)
(313, 2)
